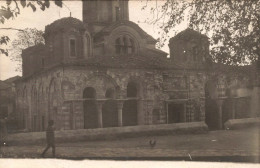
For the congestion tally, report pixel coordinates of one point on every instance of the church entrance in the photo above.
(174, 112)
(211, 114)
(130, 106)
(90, 108)
(211, 107)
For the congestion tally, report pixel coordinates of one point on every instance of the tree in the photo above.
(27, 38)
(232, 25)
(12, 8)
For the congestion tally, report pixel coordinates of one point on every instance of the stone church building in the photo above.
(105, 71)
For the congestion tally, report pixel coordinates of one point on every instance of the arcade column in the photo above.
(99, 110)
(120, 104)
(219, 103)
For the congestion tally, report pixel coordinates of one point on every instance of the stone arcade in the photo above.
(106, 72)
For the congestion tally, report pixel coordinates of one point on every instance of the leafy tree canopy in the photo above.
(27, 38)
(232, 25)
(12, 8)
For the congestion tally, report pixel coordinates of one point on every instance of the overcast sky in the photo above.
(39, 19)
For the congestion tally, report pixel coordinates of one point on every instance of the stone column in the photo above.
(120, 104)
(219, 103)
(141, 116)
(99, 110)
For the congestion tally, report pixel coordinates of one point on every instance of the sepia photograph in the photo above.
(129, 83)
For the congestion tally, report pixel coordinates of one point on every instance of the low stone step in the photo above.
(242, 123)
(108, 133)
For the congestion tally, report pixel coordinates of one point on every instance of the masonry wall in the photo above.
(58, 94)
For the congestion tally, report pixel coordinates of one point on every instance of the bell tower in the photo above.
(103, 12)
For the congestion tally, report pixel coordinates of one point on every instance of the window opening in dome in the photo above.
(117, 13)
(118, 46)
(124, 47)
(72, 47)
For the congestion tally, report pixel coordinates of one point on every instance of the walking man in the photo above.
(50, 138)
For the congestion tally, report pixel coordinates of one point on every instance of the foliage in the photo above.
(27, 38)
(12, 8)
(232, 25)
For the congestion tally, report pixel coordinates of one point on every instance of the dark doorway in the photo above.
(130, 106)
(211, 115)
(226, 111)
(90, 108)
(130, 113)
(109, 114)
(156, 116)
(174, 112)
(211, 107)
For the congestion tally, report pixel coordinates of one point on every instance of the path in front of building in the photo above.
(223, 143)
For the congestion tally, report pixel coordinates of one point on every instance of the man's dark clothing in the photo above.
(50, 135)
(50, 140)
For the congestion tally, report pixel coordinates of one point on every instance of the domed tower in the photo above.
(189, 47)
(66, 40)
(100, 13)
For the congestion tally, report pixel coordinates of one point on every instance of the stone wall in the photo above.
(58, 95)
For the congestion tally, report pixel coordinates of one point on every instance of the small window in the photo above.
(118, 46)
(117, 13)
(72, 47)
(131, 47)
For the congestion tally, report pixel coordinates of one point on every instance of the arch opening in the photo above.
(109, 110)
(90, 108)
(130, 107)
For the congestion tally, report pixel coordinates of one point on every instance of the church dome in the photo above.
(64, 23)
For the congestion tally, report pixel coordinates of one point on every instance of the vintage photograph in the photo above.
(130, 80)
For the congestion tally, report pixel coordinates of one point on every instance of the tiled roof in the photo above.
(3, 85)
(12, 79)
(188, 33)
(111, 27)
(231, 68)
(39, 48)
(143, 61)
(64, 23)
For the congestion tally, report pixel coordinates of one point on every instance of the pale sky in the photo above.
(39, 19)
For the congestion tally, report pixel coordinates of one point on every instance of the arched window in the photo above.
(118, 46)
(131, 47)
(125, 45)
(72, 47)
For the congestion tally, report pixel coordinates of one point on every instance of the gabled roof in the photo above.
(34, 49)
(108, 29)
(12, 79)
(4, 85)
